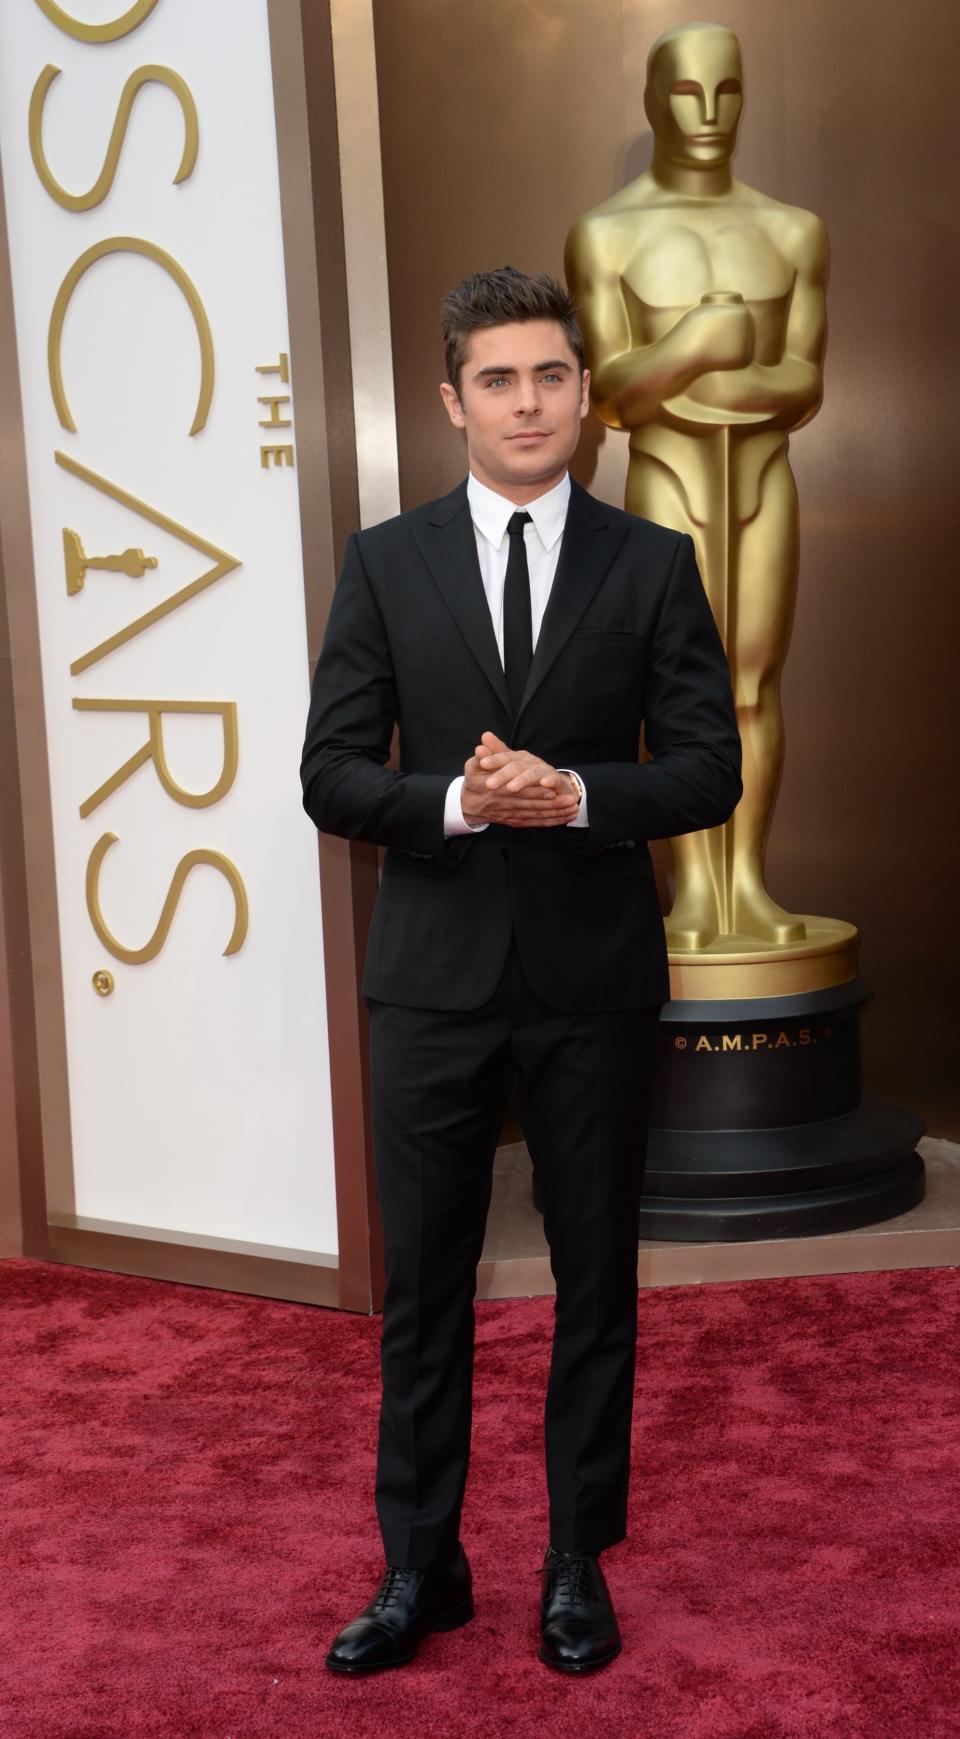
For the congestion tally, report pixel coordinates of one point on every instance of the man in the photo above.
(520, 633)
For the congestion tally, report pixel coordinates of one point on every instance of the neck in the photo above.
(711, 182)
(519, 493)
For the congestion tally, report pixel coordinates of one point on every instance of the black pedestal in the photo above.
(757, 1127)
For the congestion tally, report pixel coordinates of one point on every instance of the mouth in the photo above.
(707, 139)
(531, 435)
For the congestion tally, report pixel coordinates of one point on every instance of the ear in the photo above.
(584, 393)
(451, 400)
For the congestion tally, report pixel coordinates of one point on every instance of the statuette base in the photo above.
(740, 966)
(757, 1127)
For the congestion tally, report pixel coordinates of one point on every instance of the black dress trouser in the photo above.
(439, 1085)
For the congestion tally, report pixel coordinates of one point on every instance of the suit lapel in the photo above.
(590, 543)
(448, 545)
(449, 548)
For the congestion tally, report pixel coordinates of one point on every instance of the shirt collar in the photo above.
(491, 512)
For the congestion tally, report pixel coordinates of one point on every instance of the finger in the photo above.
(490, 740)
(540, 802)
(480, 783)
(533, 821)
(537, 812)
(523, 763)
(535, 805)
(497, 757)
(525, 777)
(542, 813)
(528, 794)
(502, 775)
(530, 791)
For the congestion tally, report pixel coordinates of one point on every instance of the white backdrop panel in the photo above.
(200, 1091)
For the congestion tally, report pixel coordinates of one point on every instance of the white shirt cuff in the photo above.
(580, 819)
(453, 821)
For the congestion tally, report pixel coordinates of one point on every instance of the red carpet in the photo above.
(187, 1518)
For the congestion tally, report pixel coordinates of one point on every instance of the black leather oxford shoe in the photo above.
(578, 1626)
(406, 1607)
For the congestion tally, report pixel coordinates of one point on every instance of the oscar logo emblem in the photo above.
(703, 304)
(131, 562)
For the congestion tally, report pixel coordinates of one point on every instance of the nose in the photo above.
(528, 398)
(711, 105)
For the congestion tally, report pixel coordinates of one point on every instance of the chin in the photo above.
(532, 459)
(527, 474)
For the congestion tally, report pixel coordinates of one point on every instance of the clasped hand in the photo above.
(515, 788)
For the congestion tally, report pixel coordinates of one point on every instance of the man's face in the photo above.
(694, 98)
(521, 402)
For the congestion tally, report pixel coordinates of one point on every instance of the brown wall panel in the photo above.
(500, 124)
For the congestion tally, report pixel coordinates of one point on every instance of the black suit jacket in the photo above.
(627, 639)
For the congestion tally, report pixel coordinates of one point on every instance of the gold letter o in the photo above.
(122, 26)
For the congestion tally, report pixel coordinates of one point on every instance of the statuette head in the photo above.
(694, 94)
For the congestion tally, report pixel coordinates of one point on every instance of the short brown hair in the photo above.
(501, 298)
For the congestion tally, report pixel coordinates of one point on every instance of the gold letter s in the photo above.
(163, 75)
(150, 950)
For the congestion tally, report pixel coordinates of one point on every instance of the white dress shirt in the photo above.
(491, 514)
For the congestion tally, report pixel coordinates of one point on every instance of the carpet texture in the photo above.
(187, 1518)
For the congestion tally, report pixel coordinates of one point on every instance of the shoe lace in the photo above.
(573, 1577)
(392, 1587)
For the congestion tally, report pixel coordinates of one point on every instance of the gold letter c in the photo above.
(129, 244)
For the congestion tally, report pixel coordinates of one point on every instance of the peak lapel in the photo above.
(449, 548)
(590, 543)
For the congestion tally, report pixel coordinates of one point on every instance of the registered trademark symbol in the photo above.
(681, 1044)
(103, 982)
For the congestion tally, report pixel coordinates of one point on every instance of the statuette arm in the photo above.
(631, 381)
(789, 390)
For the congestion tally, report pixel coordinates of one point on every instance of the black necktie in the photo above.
(517, 623)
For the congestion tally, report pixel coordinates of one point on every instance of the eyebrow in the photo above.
(538, 368)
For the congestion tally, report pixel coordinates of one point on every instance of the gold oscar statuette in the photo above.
(703, 308)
